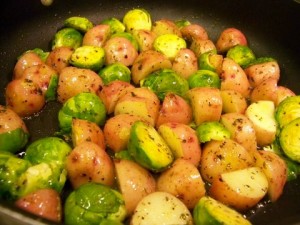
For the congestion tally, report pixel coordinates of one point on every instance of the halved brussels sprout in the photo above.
(137, 19)
(93, 204)
(241, 54)
(82, 24)
(68, 37)
(165, 81)
(182, 23)
(86, 106)
(51, 93)
(210, 61)
(115, 71)
(212, 130)
(204, 78)
(169, 44)
(88, 57)
(261, 60)
(116, 26)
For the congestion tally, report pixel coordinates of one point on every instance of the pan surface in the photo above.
(271, 26)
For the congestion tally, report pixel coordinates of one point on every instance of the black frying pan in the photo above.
(271, 26)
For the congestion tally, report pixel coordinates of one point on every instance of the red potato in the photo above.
(41, 75)
(182, 140)
(26, 60)
(140, 102)
(241, 129)
(200, 46)
(84, 130)
(112, 92)
(145, 39)
(194, 31)
(24, 97)
(275, 170)
(117, 131)
(184, 181)
(165, 26)
(73, 80)
(230, 37)
(59, 58)
(45, 203)
(219, 157)
(134, 181)
(119, 49)
(148, 62)
(88, 162)
(97, 36)
(259, 72)
(233, 102)
(174, 109)
(206, 104)
(240, 189)
(266, 90)
(282, 93)
(233, 77)
(10, 121)
(185, 63)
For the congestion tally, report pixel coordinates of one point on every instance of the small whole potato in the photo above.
(88, 162)
(194, 31)
(229, 38)
(59, 58)
(28, 59)
(97, 36)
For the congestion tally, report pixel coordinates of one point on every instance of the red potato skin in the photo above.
(111, 93)
(174, 109)
(88, 162)
(45, 203)
(184, 181)
(194, 31)
(185, 63)
(145, 39)
(165, 26)
(59, 57)
(26, 60)
(24, 97)
(10, 121)
(135, 182)
(200, 46)
(230, 37)
(73, 81)
(119, 49)
(97, 36)
(282, 93)
(266, 90)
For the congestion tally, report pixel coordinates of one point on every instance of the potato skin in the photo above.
(229, 38)
(27, 60)
(88, 162)
(59, 58)
(117, 131)
(266, 90)
(184, 181)
(174, 109)
(194, 31)
(135, 182)
(185, 63)
(45, 203)
(223, 156)
(84, 80)
(96, 36)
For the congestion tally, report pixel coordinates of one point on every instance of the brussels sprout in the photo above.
(116, 26)
(51, 150)
(13, 132)
(68, 37)
(110, 222)
(40, 52)
(204, 78)
(148, 148)
(212, 130)
(169, 44)
(88, 57)
(11, 168)
(129, 37)
(115, 71)
(82, 24)
(260, 60)
(93, 204)
(241, 54)
(137, 19)
(86, 106)
(208, 211)
(50, 94)
(164, 81)
(182, 23)
(287, 110)
(210, 61)
(289, 139)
